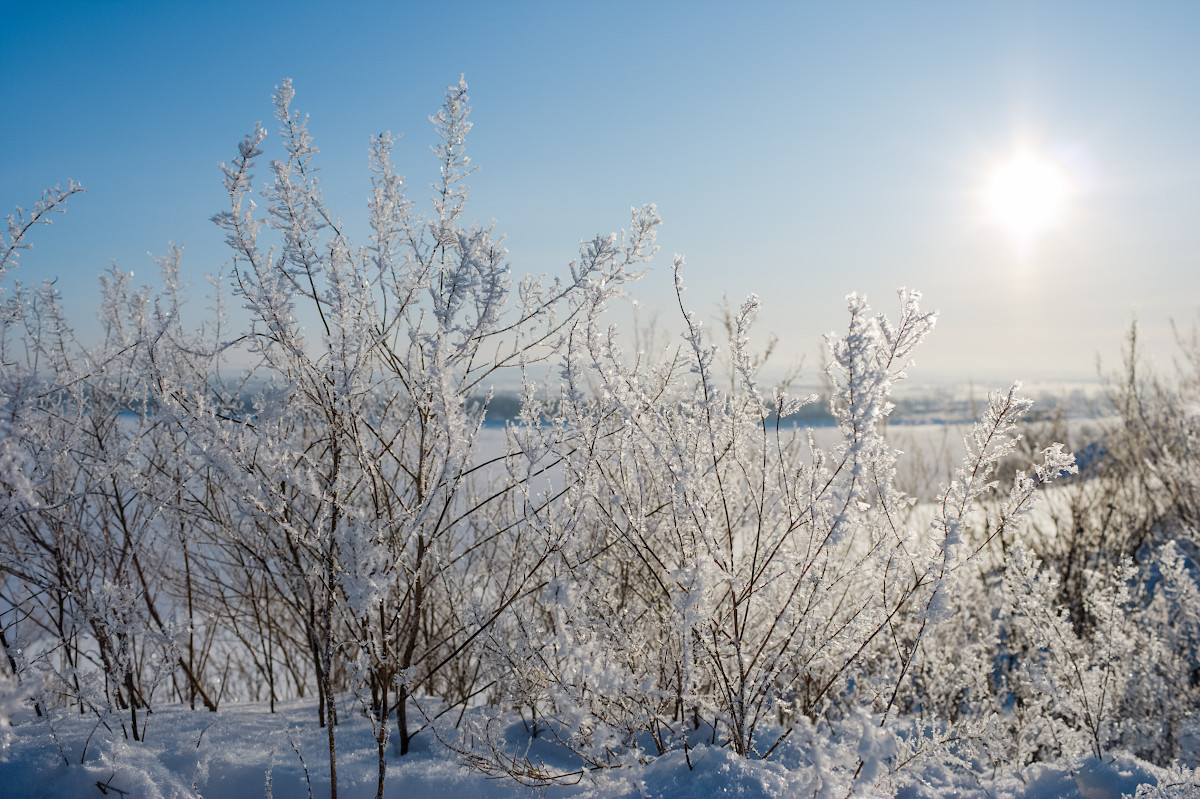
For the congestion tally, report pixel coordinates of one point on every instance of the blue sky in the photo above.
(801, 151)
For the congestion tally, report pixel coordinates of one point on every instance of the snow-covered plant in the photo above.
(50, 565)
(728, 581)
(1180, 782)
(360, 497)
(1156, 447)
(1158, 709)
(1080, 680)
(12, 697)
(84, 568)
(658, 561)
(22, 383)
(1113, 597)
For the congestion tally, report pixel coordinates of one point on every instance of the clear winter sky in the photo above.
(798, 150)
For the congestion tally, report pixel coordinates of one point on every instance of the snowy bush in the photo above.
(660, 567)
(729, 582)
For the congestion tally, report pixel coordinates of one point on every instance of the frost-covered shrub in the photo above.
(659, 562)
(11, 700)
(727, 581)
(1107, 659)
(80, 560)
(358, 497)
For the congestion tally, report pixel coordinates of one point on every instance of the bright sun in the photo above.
(1026, 195)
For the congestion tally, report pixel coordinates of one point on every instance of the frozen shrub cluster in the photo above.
(657, 563)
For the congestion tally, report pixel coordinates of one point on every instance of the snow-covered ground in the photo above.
(244, 751)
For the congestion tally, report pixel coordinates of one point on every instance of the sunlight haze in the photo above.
(1026, 195)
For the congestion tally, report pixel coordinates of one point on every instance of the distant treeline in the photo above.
(936, 406)
(932, 407)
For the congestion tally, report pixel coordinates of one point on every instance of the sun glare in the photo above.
(1026, 195)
